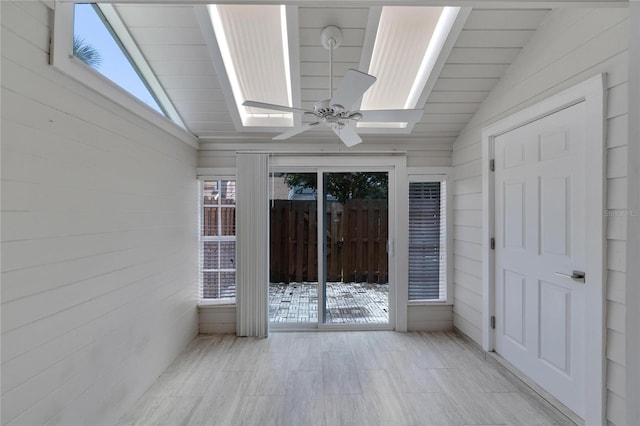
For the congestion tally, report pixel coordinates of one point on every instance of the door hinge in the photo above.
(492, 165)
(492, 243)
(493, 322)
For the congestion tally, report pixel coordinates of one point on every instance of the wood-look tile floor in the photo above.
(338, 378)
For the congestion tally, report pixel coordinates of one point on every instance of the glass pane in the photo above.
(293, 248)
(228, 192)
(210, 285)
(227, 284)
(356, 261)
(424, 240)
(210, 255)
(210, 192)
(210, 221)
(95, 45)
(228, 221)
(227, 255)
(219, 252)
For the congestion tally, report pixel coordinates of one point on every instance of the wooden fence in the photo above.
(356, 238)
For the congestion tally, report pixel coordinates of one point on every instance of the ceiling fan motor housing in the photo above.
(327, 112)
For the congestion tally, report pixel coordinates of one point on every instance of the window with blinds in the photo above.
(218, 240)
(427, 241)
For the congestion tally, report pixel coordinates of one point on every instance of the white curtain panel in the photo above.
(252, 249)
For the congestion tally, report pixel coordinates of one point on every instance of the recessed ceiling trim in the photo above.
(454, 21)
(402, 40)
(450, 26)
(293, 33)
(254, 45)
(243, 119)
(409, 43)
(370, 33)
(209, 36)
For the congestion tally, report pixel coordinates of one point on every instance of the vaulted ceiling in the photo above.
(179, 51)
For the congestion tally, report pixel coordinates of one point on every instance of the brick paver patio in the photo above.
(359, 303)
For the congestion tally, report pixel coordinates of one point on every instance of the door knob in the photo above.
(576, 275)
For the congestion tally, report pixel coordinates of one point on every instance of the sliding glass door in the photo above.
(329, 238)
(293, 249)
(356, 264)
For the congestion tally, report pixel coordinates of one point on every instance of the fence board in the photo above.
(299, 239)
(312, 246)
(356, 239)
(371, 241)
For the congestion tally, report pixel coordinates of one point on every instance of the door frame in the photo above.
(395, 163)
(592, 93)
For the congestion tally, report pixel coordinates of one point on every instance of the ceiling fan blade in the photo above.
(294, 131)
(352, 87)
(273, 107)
(392, 115)
(347, 135)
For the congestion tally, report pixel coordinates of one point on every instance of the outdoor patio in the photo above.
(358, 303)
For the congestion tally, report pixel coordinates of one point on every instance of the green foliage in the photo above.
(346, 186)
(86, 52)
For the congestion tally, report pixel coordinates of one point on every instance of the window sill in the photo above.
(430, 303)
(227, 303)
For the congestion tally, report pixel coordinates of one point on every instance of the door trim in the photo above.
(593, 94)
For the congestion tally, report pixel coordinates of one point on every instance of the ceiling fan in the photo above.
(336, 112)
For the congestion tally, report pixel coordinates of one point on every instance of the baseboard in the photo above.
(519, 378)
(500, 362)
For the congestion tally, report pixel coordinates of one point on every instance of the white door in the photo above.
(540, 234)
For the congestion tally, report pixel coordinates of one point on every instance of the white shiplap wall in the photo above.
(569, 47)
(99, 241)
(426, 153)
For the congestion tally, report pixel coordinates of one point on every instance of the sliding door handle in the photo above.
(576, 276)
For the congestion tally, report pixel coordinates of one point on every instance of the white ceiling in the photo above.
(178, 51)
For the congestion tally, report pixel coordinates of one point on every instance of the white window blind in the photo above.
(218, 240)
(427, 241)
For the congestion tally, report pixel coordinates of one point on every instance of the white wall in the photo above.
(99, 241)
(571, 46)
(429, 317)
(434, 152)
(633, 227)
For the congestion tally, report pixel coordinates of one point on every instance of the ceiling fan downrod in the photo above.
(331, 37)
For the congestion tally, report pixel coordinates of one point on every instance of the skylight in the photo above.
(253, 43)
(408, 43)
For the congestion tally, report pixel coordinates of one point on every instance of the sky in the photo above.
(114, 65)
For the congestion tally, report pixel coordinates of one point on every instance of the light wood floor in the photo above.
(338, 378)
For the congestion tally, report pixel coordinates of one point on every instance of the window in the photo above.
(92, 44)
(218, 240)
(427, 241)
(96, 44)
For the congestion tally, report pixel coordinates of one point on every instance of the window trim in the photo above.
(436, 174)
(61, 58)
